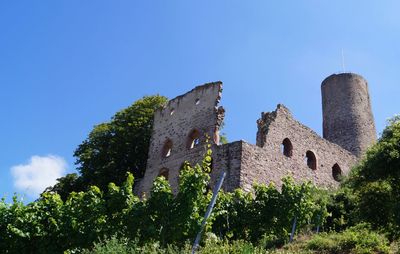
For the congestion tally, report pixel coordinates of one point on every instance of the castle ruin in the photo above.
(284, 146)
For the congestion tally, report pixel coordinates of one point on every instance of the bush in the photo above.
(267, 215)
(116, 245)
(358, 240)
(376, 182)
(51, 225)
(342, 209)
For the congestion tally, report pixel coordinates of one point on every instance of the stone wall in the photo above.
(284, 146)
(228, 158)
(266, 161)
(195, 112)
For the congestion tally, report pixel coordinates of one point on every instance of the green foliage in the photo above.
(376, 182)
(119, 203)
(119, 146)
(67, 184)
(192, 199)
(26, 229)
(85, 217)
(341, 207)
(223, 137)
(269, 212)
(114, 148)
(51, 225)
(126, 246)
(358, 240)
(69, 217)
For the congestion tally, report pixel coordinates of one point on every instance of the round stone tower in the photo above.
(347, 114)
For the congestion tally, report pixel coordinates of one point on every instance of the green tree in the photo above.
(67, 184)
(114, 148)
(376, 181)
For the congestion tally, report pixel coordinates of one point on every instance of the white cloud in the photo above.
(39, 173)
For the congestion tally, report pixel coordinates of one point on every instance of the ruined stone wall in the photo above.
(228, 158)
(347, 114)
(284, 146)
(189, 116)
(266, 162)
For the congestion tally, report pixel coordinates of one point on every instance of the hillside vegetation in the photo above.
(363, 216)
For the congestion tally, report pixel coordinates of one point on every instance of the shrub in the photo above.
(342, 209)
(50, 225)
(268, 214)
(116, 245)
(376, 182)
(358, 240)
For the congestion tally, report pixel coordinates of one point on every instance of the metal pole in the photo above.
(209, 211)
(293, 229)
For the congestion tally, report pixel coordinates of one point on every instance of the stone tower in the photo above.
(347, 114)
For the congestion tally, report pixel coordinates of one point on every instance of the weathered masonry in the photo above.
(284, 146)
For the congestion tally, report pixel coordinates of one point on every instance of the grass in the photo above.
(358, 240)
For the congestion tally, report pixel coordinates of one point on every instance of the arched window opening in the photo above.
(164, 172)
(287, 148)
(337, 172)
(167, 148)
(216, 136)
(193, 139)
(311, 160)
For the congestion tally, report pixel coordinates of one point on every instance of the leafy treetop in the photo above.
(114, 148)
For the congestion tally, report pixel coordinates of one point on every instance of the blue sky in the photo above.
(68, 65)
